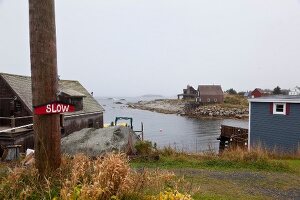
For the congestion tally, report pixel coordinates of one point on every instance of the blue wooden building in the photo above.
(274, 122)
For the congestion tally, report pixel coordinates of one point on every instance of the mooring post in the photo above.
(142, 125)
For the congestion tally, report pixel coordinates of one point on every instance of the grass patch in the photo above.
(171, 162)
(235, 174)
(294, 164)
(257, 160)
(235, 100)
(216, 188)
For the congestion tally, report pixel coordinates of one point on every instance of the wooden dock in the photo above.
(22, 136)
(233, 137)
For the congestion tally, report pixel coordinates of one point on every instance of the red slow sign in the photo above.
(53, 108)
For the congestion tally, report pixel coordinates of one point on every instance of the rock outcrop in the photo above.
(192, 109)
(94, 142)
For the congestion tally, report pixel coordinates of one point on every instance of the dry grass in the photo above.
(108, 177)
(233, 159)
(97, 179)
(234, 101)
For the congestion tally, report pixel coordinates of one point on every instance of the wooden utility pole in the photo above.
(44, 83)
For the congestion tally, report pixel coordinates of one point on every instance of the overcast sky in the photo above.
(136, 47)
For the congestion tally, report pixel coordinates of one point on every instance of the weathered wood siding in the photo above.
(7, 106)
(275, 131)
(76, 123)
(211, 98)
(25, 139)
(5, 90)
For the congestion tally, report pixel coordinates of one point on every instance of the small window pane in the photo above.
(279, 108)
(18, 106)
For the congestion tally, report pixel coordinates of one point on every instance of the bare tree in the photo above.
(44, 83)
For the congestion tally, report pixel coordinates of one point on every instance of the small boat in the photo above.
(106, 125)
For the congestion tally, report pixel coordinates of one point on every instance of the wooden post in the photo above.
(44, 83)
(142, 126)
(13, 123)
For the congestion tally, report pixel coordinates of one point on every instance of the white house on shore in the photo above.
(295, 91)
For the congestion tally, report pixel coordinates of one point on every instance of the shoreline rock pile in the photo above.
(218, 111)
(194, 111)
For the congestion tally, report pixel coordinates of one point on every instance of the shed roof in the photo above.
(190, 87)
(71, 93)
(259, 90)
(22, 87)
(210, 90)
(277, 99)
(297, 87)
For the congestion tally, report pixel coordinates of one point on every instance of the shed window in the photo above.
(279, 108)
(18, 106)
(90, 123)
(77, 102)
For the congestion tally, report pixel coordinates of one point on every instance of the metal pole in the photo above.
(44, 83)
(142, 131)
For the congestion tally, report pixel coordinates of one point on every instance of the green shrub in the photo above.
(144, 148)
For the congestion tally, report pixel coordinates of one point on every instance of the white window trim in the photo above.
(279, 113)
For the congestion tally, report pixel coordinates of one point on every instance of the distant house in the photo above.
(210, 94)
(295, 91)
(247, 94)
(189, 93)
(274, 122)
(257, 92)
(16, 104)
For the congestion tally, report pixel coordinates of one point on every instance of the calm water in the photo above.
(179, 132)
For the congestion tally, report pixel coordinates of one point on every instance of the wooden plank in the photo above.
(234, 137)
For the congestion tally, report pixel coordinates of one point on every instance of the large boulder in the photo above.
(94, 142)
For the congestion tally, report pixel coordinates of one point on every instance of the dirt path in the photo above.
(245, 184)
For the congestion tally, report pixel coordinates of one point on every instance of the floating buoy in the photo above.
(160, 130)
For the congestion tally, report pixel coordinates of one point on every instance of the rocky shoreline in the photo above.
(164, 106)
(219, 112)
(184, 108)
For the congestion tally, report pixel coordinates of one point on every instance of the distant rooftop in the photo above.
(210, 90)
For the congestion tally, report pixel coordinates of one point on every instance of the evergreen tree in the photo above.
(277, 90)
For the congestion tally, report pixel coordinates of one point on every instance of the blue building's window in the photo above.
(279, 108)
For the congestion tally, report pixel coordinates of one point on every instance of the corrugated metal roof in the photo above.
(210, 90)
(277, 98)
(22, 87)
